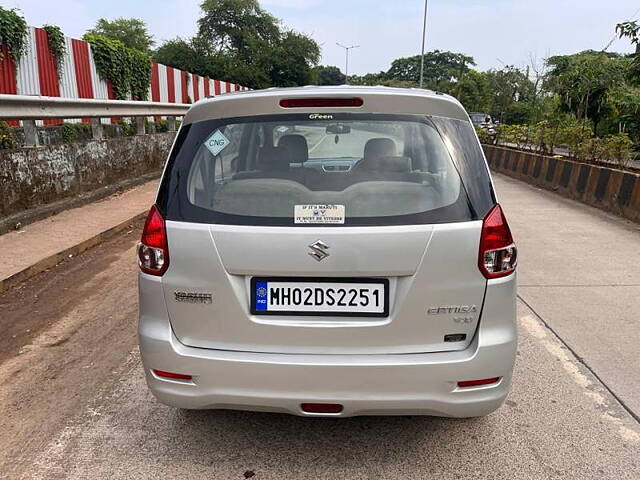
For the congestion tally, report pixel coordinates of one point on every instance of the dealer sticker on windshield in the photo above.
(319, 214)
(216, 142)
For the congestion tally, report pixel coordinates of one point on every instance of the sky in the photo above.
(494, 32)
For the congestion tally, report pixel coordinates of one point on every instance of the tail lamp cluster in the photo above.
(498, 253)
(153, 250)
(497, 257)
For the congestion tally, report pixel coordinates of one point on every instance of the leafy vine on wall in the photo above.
(13, 33)
(57, 45)
(128, 70)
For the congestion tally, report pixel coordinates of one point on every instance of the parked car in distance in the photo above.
(485, 122)
(328, 251)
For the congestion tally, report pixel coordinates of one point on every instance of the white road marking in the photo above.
(537, 330)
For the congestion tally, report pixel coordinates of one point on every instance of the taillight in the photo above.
(153, 251)
(498, 254)
(321, 102)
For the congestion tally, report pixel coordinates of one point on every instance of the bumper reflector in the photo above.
(477, 383)
(171, 375)
(321, 407)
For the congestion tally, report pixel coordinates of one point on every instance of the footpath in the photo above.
(43, 244)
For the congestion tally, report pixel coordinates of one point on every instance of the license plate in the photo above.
(362, 297)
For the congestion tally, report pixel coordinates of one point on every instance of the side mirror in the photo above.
(337, 129)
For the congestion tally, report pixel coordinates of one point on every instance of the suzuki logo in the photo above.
(319, 250)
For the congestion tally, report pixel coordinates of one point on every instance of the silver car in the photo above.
(328, 251)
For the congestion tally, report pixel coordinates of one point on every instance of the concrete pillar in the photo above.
(30, 133)
(96, 129)
(140, 125)
(171, 124)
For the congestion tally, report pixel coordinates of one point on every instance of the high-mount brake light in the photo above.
(498, 253)
(153, 250)
(321, 102)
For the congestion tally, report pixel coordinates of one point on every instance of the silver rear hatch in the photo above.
(327, 199)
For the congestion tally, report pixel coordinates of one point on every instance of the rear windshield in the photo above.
(318, 169)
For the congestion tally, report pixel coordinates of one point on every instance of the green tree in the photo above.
(132, 32)
(583, 82)
(237, 40)
(328, 75)
(293, 59)
(625, 105)
(474, 92)
(182, 54)
(508, 86)
(632, 31)
(518, 113)
(442, 69)
(379, 78)
(231, 26)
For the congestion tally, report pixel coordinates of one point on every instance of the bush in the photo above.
(483, 135)
(518, 113)
(543, 136)
(513, 134)
(7, 137)
(162, 126)
(129, 127)
(590, 149)
(575, 137)
(72, 132)
(618, 149)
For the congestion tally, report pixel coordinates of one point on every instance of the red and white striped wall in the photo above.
(169, 84)
(36, 74)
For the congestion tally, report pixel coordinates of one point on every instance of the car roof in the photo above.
(376, 100)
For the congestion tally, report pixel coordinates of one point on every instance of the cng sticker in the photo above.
(216, 142)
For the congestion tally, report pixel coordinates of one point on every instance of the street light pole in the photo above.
(346, 66)
(424, 33)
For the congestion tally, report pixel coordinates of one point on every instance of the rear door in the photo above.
(272, 234)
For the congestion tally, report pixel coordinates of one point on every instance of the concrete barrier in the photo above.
(609, 189)
(33, 178)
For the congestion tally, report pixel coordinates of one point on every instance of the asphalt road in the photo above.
(73, 403)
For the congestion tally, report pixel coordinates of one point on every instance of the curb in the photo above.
(53, 260)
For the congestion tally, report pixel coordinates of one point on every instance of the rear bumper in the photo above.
(397, 384)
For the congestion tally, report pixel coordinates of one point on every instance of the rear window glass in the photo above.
(310, 169)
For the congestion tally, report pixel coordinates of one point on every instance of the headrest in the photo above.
(386, 164)
(297, 146)
(274, 159)
(379, 147)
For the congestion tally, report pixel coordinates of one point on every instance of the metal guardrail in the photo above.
(30, 108)
(26, 107)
